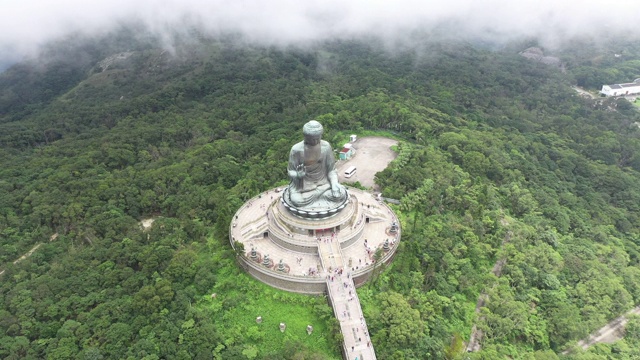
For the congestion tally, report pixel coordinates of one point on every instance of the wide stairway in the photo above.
(346, 305)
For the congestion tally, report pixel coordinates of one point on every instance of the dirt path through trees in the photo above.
(30, 252)
(609, 333)
(477, 334)
(583, 92)
(26, 255)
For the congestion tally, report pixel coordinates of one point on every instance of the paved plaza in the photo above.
(252, 221)
(373, 154)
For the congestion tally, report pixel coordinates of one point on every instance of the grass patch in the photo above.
(241, 298)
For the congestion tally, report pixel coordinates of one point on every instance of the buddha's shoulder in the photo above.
(298, 146)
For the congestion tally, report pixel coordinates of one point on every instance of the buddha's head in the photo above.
(312, 132)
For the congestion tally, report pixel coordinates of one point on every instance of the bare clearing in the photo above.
(373, 154)
(146, 223)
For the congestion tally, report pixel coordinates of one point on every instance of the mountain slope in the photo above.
(493, 144)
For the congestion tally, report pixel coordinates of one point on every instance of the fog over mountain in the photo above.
(27, 24)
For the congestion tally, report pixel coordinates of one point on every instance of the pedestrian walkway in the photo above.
(346, 305)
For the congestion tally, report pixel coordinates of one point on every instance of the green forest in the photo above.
(499, 160)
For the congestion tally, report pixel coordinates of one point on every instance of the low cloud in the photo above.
(27, 24)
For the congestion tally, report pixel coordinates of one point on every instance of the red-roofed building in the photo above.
(346, 153)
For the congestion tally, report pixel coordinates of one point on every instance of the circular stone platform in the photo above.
(313, 248)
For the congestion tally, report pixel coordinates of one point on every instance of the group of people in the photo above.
(311, 272)
(348, 288)
(327, 239)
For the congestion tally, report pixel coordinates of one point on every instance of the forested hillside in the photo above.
(499, 160)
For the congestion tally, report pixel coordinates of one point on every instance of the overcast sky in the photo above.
(24, 24)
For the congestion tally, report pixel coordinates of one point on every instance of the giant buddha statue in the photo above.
(314, 190)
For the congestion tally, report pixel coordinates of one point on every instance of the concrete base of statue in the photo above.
(320, 209)
(266, 225)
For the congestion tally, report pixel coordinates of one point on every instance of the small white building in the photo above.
(621, 89)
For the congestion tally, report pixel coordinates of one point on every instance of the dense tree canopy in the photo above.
(499, 161)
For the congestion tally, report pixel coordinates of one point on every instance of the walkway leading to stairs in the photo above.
(346, 305)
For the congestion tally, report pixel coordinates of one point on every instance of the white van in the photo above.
(350, 171)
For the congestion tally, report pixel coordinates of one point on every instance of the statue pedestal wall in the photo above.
(264, 223)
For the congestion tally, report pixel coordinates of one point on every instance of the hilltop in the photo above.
(100, 134)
